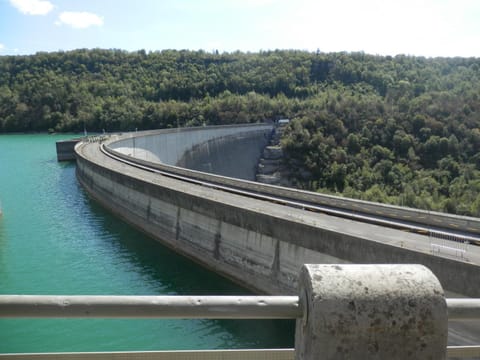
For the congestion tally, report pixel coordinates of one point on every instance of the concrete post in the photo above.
(371, 312)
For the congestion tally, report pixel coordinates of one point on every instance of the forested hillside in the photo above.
(403, 130)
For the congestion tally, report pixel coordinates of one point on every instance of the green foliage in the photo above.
(403, 130)
(410, 140)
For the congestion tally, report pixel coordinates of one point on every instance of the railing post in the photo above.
(371, 312)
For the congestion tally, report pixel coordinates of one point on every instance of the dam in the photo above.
(195, 187)
(259, 244)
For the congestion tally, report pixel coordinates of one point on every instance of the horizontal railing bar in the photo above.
(250, 354)
(463, 309)
(463, 351)
(213, 307)
(180, 307)
(260, 354)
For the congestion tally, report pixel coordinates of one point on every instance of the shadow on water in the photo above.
(168, 273)
(177, 274)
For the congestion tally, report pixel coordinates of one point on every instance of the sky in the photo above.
(428, 28)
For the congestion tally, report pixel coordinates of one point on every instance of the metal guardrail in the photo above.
(443, 243)
(96, 138)
(463, 309)
(260, 354)
(180, 307)
(463, 352)
(212, 307)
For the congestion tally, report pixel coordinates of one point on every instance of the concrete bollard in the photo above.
(371, 312)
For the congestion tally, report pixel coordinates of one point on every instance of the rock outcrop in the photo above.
(271, 167)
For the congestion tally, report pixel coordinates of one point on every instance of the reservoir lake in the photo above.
(55, 240)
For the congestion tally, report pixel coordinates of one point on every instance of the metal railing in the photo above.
(463, 309)
(211, 307)
(96, 138)
(262, 354)
(443, 243)
(180, 307)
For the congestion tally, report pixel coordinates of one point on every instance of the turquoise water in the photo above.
(55, 240)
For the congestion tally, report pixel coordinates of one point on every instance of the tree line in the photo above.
(403, 130)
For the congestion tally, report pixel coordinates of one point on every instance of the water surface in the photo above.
(55, 240)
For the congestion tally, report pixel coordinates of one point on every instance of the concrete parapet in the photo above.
(66, 149)
(371, 312)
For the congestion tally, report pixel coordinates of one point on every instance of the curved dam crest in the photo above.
(257, 244)
(228, 151)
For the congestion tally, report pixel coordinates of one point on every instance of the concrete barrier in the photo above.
(393, 312)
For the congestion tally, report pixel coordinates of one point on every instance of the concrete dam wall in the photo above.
(225, 150)
(234, 156)
(258, 244)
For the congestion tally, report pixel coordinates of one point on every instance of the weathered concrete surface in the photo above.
(236, 237)
(361, 312)
(234, 155)
(66, 149)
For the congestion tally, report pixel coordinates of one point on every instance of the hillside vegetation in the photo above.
(403, 130)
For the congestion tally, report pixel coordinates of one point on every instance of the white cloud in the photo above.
(33, 7)
(79, 20)
(2, 47)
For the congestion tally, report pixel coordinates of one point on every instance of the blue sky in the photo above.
(387, 27)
